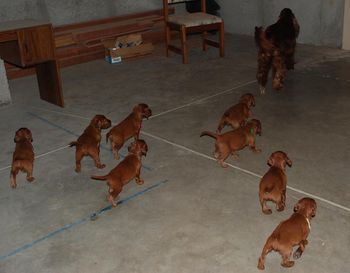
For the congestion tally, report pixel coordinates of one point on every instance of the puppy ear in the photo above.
(289, 162)
(18, 136)
(131, 146)
(97, 122)
(253, 101)
(271, 161)
(29, 137)
(296, 207)
(313, 212)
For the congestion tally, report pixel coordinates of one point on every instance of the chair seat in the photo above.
(194, 19)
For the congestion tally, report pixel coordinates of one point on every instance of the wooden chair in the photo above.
(190, 23)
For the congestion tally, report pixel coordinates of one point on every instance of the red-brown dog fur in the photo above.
(129, 127)
(23, 156)
(128, 169)
(274, 182)
(237, 115)
(230, 142)
(291, 232)
(276, 47)
(89, 142)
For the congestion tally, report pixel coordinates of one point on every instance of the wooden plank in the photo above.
(64, 40)
(112, 31)
(111, 19)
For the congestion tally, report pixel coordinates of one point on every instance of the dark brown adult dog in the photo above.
(274, 182)
(125, 171)
(129, 127)
(230, 142)
(23, 156)
(89, 142)
(237, 115)
(290, 233)
(276, 47)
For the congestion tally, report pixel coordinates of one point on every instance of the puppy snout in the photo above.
(148, 112)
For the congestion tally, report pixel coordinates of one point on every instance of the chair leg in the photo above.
(221, 38)
(184, 45)
(167, 39)
(204, 37)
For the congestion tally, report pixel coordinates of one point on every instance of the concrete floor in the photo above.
(191, 215)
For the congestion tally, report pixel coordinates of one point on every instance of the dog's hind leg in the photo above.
(266, 250)
(279, 70)
(286, 262)
(95, 154)
(14, 172)
(264, 65)
(29, 170)
(78, 156)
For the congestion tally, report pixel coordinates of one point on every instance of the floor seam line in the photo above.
(246, 171)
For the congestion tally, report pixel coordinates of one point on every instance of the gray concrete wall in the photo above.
(5, 97)
(321, 21)
(72, 11)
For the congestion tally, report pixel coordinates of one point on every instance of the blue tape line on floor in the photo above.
(74, 134)
(80, 221)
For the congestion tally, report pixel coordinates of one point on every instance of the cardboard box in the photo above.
(125, 47)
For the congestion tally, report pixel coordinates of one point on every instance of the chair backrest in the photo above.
(166, 4)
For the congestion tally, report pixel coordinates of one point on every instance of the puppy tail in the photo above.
(96, 177)
(73, 143)
(211, 134)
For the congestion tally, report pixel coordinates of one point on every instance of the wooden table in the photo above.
(27, 43)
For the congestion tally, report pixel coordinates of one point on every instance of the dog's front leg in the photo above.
(138, 180)
(297, 254)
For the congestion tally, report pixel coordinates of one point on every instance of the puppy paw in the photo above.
(224, 165)
(288, 264)
(267, 211)
(140, 181)
(78, 170)
(281, 208)
(112, 201)
(30, 179)
(261, 265)
(257, 150)
(13, 185)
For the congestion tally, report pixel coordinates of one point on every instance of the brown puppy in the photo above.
(274, 182)
(129, 127)
(125, 171)
(23, 156)
(89, 142)
(237, 115)
(290, 233)
(230, 142)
